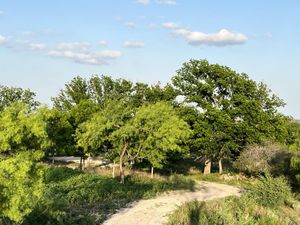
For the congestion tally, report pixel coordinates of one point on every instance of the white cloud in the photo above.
(73, 45)
(32, 45)
(160, 2)
(166, 2)
(93, 58)
(3, 39)
(171, 25)
(1, 12)
(130, 24)
(37, 46)
(103, 43)
(221, 38)
(134, 44)
(144, 2)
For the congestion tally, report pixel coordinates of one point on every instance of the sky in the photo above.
(44, 44)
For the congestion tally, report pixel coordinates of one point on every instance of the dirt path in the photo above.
(154, 211)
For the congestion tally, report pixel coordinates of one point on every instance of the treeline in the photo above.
(208, 113)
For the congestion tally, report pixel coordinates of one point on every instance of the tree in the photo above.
(233, 110)
(22, 129)
(94, 135)
(126, 135)
(75, 91)
(21, 185)
(154, 131)
(10, 95)
(59, 131)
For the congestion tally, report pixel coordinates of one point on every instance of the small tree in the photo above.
(154, 131)
(149, 133)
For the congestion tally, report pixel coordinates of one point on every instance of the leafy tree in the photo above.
(233, 110)
(154, 131)
(21, 185)
(10, 95)
(147, 134)
(59, 130)
(22, 129)
(94, 135)
(75, 91)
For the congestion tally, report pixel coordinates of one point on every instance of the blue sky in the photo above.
(43, 44)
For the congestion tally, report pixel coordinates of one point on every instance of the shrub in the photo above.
(261, 159)
(271, 192)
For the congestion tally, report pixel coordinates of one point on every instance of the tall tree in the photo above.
(75, 91)
(233, 109)
(10, 95)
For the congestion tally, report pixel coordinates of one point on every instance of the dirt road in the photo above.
(154, 211)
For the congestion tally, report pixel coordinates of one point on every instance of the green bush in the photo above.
(271, 192)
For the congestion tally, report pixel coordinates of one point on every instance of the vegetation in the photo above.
(208, 115)
(74, 197)
(266, 203)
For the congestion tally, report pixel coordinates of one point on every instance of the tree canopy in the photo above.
(233, 110)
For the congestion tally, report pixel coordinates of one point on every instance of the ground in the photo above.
(155, 211)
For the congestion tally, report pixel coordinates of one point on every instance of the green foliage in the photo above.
(233, 110)
(154, 131)
(232, 210)
(95, 134)
(263, 159)
(59, 130)
(21, 185)
(11, 95)
(22, 129)
(271, 192)
(73, 197)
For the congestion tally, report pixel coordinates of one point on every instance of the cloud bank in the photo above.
(220, 38)
(93, 58)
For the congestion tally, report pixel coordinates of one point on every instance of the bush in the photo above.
(262, 159)
(271, 192)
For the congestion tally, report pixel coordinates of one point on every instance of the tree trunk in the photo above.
(122, 174)
(80, 165)
(220, 167)
(152, 171)
(113, 170)
(207, 167)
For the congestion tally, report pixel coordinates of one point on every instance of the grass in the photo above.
(73, 197)
(267, 201)
(232, 211)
